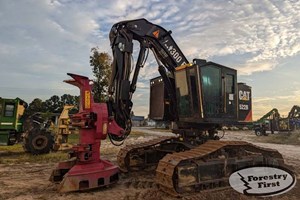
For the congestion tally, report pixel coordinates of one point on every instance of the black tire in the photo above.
(39, 142)
(258, 132)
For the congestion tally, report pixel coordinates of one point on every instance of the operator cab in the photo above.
(206, 93)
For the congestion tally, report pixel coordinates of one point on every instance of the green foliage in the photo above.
(35, 106)
(68, 99)
(101, 66)
(54, 104)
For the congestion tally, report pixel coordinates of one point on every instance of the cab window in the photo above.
(193, 89)
(9, 110)
(183, 99)
(212, 88)
(230, 83)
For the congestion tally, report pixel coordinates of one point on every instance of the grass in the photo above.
(13, 148)
(73, 139)
(16, 155)
(281, 138)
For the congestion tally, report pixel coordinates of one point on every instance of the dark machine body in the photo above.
(199, 97)
(234, 108)
(205, 96)
(244, 103)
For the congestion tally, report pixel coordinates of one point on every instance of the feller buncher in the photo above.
(199, 97)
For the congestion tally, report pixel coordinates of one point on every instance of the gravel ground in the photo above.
(30, 180)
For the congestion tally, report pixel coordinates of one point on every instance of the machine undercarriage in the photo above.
(182, 168)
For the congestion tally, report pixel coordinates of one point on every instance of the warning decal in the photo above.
(156, 33)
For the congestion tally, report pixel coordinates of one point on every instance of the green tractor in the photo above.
(11, 120)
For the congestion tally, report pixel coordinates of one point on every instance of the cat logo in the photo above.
(244, 95)
(156, 33)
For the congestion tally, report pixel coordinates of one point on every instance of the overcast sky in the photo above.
(40, 41)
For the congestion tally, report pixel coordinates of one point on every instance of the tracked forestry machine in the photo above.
(198, 97)
(272, 122)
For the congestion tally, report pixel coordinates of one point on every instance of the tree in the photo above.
(101, 63)
(53, 105)
(68, 99)
(35, 106)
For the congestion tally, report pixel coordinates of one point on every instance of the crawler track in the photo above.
(204, 167)
(209, 166)
(127, 156)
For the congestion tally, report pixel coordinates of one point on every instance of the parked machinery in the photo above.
(63, 129)
(32, 130)
(11, 121)
(268, 122)
(294, 117)
(37, 137)
(44, 132)
(37, 132)
(200, 97)
(272, 122)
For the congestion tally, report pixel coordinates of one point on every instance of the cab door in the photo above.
(230, 95)
(212, 91)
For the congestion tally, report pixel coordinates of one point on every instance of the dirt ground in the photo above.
(28, 181)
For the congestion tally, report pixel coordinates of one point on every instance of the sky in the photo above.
(42, 40)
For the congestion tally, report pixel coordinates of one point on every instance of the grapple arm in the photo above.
(122, 85)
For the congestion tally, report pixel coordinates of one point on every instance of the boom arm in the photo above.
(274, 112)
(167, 54)
(295, 112)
